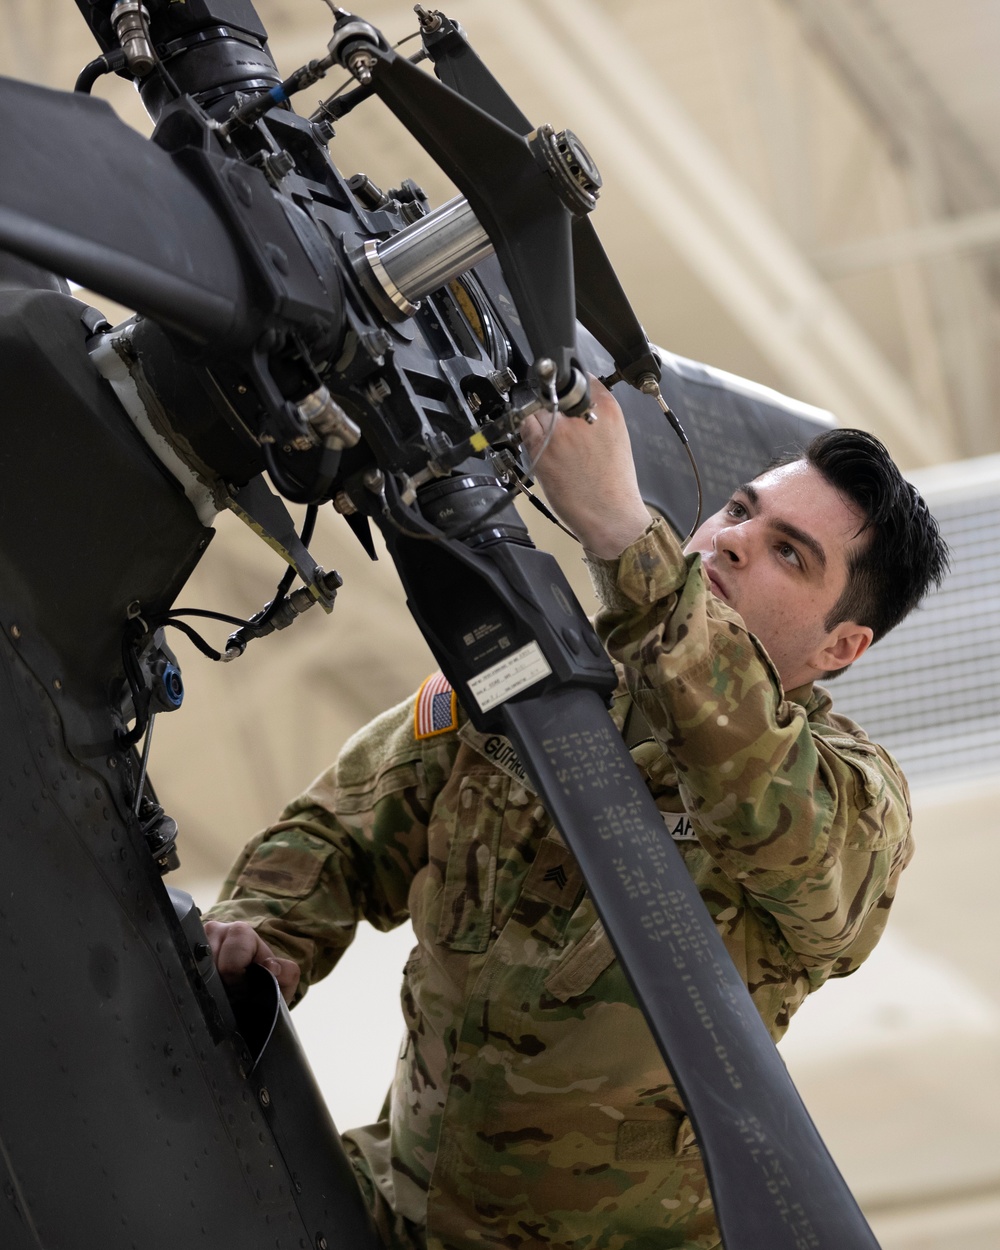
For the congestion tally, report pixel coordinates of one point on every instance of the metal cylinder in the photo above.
(131, 22)
(427, 255)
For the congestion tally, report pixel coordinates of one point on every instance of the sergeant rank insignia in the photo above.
(436, 711)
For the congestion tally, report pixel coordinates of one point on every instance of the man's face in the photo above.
(777, 554)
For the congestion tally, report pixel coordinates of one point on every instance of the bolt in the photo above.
(320, 1242)
(344, 504)
(370, 195)
(429, 22)
(278, 164)
(376, 343)
(378, 390)
(361, 64)
(374, 481)
(112, 761)
(503, 379)
(201, 949)
(264, 1096)
(15, 631)
(241, 389)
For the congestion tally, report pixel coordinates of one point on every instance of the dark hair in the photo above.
(904, 556)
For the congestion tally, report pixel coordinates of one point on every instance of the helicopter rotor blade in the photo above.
(99, 204)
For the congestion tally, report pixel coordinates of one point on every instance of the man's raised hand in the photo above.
(588, 474)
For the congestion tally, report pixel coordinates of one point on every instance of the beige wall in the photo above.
(900, 1063)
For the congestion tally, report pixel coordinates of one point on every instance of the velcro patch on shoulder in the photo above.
(436, 709)
(281, 871)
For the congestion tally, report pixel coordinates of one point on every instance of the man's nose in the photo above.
(733, 542)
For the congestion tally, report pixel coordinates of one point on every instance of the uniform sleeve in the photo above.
(810, 817)
(347, 849)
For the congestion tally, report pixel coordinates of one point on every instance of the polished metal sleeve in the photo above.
(428, 254)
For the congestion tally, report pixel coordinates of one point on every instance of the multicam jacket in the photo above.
(530, 1105)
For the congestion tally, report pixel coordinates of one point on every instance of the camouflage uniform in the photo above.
(530, 1105)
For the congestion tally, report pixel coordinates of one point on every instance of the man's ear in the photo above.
(845, 643)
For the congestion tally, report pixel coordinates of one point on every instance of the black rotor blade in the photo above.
(773, 1181)
(510, 193)
(88, 197)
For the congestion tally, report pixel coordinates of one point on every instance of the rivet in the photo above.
(112, 761)
(264, 1096)
(57, 683)
(15, 631)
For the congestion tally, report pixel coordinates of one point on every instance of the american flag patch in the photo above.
(436, 710)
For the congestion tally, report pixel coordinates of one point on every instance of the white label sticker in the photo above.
(510, 676)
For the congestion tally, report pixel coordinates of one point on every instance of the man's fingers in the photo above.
(286, 973)
(536, 429)
(234, 947)
(588, 474)
(237, 945)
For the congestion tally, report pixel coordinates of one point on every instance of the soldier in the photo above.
(530, 1104)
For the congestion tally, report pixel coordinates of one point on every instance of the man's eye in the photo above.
(788, 552)
(735, 509)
